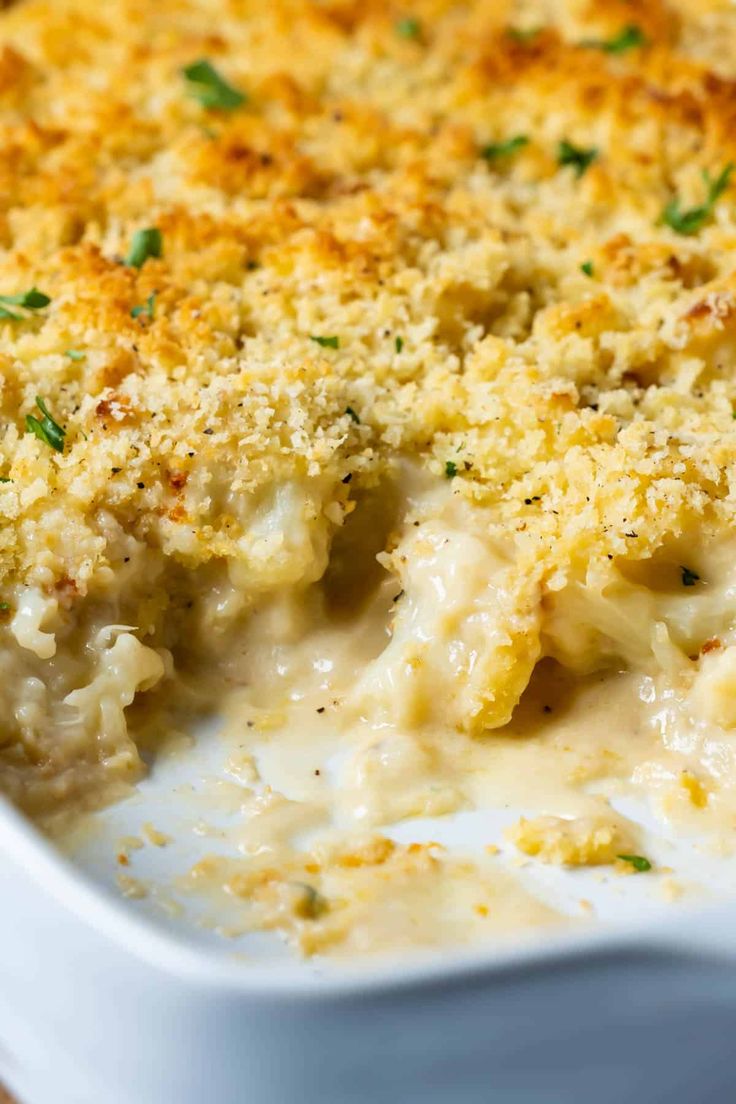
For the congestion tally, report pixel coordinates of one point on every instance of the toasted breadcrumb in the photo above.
(578, 842)
(132, 888)
(347, 196)
(154, 836)
(696, 791)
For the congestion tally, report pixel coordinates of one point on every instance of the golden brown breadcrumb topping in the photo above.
(519, 314)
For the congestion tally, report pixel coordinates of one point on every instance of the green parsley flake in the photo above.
(4, 606)
(311, 903)
(504, 149)
(408, 27)
(75, 354)
(450, 469)
(145, 309)
(587, 268)
(4, 479)
(351, 414)
(689, 578)
(637, 861)
(146, 243)
(29, 300)
(694, 218)
(45, 428)
(399, 344)
(326, 342)
(628, 38)
(579, 158)
(210, 88)
(522, 36)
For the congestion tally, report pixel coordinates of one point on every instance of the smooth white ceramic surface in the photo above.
(98, 1005)
(183, 796)
(109, 1001)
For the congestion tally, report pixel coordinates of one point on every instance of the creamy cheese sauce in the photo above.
(422, 675)
(354, 721)
(314, 792)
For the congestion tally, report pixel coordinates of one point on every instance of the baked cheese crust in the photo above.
(348, 197)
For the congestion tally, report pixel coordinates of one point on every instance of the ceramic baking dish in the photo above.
(110, 1001)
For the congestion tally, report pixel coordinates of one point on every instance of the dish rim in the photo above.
(667, 931)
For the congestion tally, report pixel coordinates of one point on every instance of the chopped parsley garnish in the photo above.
(628, 38)
(579, 157)
(29, 300)
(210, 88)
(146, 243)
(587, 268)
(694, 218)
(399, 344)
(45, 428)
(689, 578)
(504, 149)
(450, 469)
(523, 36)
(4, 607)
(637, 861)
(145, 309)
(75, 354)
(351, 414)
(311, 903)
(408, 27)
(326, 342)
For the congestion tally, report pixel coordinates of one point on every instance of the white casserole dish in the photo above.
(102, 1005)
(98, 1004)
